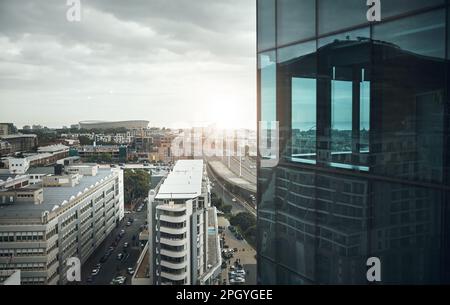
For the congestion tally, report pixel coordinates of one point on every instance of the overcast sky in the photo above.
(172, 62)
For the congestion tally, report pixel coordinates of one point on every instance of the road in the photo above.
(246, 254)
(113, 267)
(246, 170)
(227, 197)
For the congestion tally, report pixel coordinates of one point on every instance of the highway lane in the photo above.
(240, 205)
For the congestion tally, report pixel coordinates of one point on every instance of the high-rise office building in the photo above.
(360, 167)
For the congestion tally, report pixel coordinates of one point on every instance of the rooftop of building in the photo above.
(183, 182)
(52, 148)
(18, 135)
(53, 197)
(99, 148)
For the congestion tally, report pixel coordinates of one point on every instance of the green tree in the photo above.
(84, 140)
(105, 157)
(243, 220)
(136, 184)
(227, 208)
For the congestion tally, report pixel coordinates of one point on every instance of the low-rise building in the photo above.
(9, 277)
(21, 142)
(62, 218)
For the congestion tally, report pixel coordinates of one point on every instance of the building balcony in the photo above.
(173, 265)
(173, 242)
(173, 230)
(174, 277)
(172, 208)
(173, 219)
(181, 253)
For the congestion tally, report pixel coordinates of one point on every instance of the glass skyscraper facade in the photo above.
(357, 165)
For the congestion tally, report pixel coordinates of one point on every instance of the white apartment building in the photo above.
(184, 242)
(42, 225)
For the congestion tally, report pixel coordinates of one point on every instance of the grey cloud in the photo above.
(155, 54)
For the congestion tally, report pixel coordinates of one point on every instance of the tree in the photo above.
(84, 140)
(105, 157)
(136, 184)
(227, 208)
(243, 220)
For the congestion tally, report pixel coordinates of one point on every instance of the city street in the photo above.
(246, 254)
(114, 267)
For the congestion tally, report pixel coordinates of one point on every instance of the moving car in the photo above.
(128, 224)
(125, 245)
(234, 199)
(120, 256)
(95, 271)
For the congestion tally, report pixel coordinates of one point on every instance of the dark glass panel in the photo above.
(295, 20)
(423, 34)
(266, 24)
(396, 7)
(335, 15)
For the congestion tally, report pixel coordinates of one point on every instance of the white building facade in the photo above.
(182, 251)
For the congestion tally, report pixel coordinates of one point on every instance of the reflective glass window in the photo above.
(423, 34)
(396, 7)
(335, 15)
(266, 24)
(295, 20)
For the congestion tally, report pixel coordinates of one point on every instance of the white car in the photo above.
(130, 271)
(232, 274)
(240, 272)
(95, 271)
(234, 199)
(238, 280)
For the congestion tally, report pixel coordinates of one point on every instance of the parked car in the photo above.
(95, 272)
(240, 272)
(90, 279)
(97, 266)
(125, 245)
(237, 281)
(118, 280)
(128, 224)
(130, 271)
(120, 256)
(234, 199)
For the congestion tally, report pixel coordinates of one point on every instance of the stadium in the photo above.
(135, 124)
